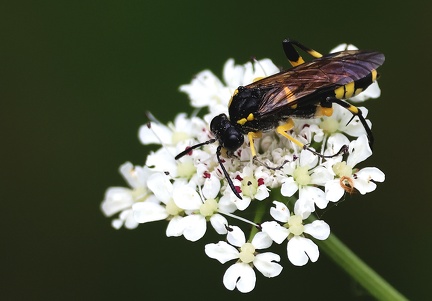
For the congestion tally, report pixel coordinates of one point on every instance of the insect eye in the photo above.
(232, 139)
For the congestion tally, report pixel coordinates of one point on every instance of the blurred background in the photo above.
(76, 78)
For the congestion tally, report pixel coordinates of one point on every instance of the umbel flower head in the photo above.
(192, 195)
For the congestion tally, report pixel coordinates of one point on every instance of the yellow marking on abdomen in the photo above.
(349, 90)
(358, 91)
(339, 92)
(345, 91)
(250, 117)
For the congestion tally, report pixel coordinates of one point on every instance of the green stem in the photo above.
(355, 267)
(344, 257)
(259, 213)
(358, 270)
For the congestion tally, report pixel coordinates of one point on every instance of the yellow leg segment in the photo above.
(282, 129)
(353, 109)
(252, 136)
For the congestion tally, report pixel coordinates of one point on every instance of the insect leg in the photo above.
(252, 136)
(356, 112)
(282, 129)
(292, 54)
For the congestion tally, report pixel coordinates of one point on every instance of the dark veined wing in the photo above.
(287, 88)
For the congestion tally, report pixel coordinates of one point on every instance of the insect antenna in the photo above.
(188, 149)
(227, 177)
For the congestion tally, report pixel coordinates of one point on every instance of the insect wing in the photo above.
(290, 88)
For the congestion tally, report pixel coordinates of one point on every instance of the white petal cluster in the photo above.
(192, 193)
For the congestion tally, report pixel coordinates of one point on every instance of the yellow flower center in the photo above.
(172, 209)
(301, 175)
(186, 169)
(247, 253)
(209, 207)
(178, 137)
(295, 225)
(341, 169)
(249, 186)
(329, 125)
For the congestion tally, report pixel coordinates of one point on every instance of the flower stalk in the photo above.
(359, 270)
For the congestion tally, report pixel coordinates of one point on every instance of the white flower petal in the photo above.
(161, 186)
(365, 178)
(233, 74)
(116, 200)
(289, 187)
(221, 251)
(195, 227)
(334, 143)
(308, 159)
(129, 219)
(240, 275)
(334, 190)
(163, 161)
(206, 90)
(315, 195)
(301, 249)
(186, 197)
(219, 223)
(211, 187)
(304, 207)
(359, 150)
(261, 240)
(148, 212)
(321, 175)
(125, 219)
(266, 264)
(371, 173)
(236, 236)
(262, 193)
(280, 212)
(343, 47)
(155, 134)
(117, 223)
(276, 232)
(175, 227)
(240, 204)
(135, 176)
(226, 204)
(373, 91)
(318, 229)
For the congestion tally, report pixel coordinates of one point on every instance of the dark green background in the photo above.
(75, 80)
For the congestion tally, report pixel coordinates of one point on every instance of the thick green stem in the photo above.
(358, 270)
(342, 256)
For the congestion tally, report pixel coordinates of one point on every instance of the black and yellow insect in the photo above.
(307, 90)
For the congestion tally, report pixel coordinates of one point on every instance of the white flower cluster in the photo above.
(192, 191)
